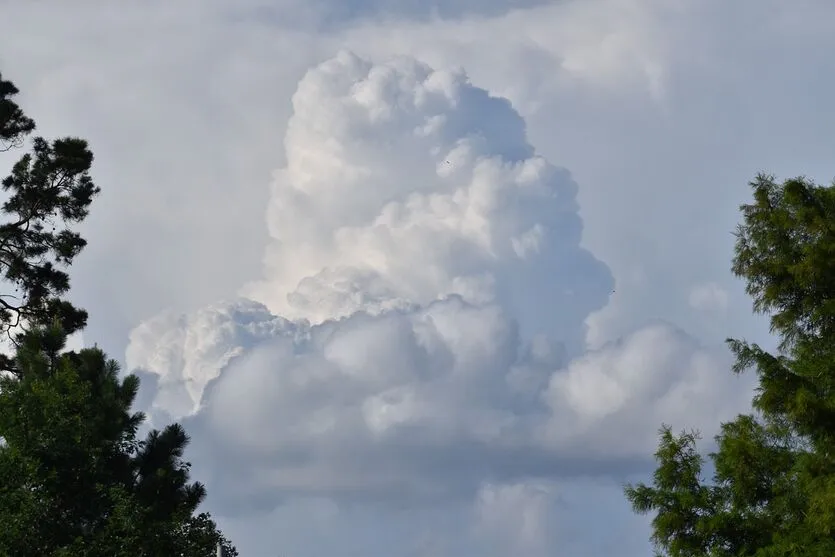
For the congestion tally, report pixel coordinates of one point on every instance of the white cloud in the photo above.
(598, 45)
(187, 352)
(404, 183)
(709, 297)
(409, 401)
(581, 516)
(424, 354)
(516, 518)
(657, 109)
(423, 286)
(658, 374)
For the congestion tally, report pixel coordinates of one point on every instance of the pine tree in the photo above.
(48, 191)
(773, 487)
(75, 479)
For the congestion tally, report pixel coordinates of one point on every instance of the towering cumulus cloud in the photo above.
(404, 185)
(419, 327)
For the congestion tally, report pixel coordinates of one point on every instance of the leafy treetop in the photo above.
(773, 487)
(48, 191)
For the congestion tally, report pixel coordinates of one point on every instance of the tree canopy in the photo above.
(773, 487)
(47, 192)
(75, 478)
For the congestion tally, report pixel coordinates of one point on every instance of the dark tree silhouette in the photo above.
(48, 191)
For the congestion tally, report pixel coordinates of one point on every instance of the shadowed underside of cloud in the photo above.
(418, 329)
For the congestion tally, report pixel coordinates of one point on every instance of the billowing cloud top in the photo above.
(405, 184)
(419, 327)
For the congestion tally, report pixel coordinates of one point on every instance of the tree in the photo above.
(74, 478)
(773, 486)
(14, 124)
(48, 191)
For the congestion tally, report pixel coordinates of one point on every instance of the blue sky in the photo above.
(424, 279)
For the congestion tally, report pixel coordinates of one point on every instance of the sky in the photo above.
(424, 278)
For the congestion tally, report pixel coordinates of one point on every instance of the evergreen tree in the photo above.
(75, 479)
(773, 487)
(48, 191)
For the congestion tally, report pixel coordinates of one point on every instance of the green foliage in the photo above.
(773, 488)
(14, 124)
(48, 191)
(75, 479)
